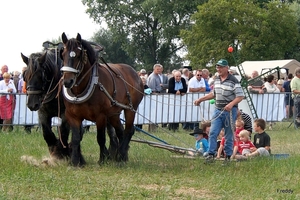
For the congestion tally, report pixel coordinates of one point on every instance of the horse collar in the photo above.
(70, 97)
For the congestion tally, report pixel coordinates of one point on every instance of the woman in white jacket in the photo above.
(7, 100)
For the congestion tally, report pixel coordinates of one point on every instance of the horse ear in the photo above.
(78, 38)
(25, 59)
(64, 38)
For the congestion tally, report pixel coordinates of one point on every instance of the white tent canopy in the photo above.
(264, 66)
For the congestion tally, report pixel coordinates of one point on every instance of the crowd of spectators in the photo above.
(184, 81)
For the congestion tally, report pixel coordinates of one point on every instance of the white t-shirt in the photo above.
(194, 83)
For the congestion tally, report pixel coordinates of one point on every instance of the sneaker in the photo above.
(298, 119)
(209, 159)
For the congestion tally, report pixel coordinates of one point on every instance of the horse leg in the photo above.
(119, 129)
(101, 123)
(77, 133)
(127, 135)
(113, 141)
(63, 132)
(48, 135)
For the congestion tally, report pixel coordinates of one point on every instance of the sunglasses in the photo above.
(199, 74)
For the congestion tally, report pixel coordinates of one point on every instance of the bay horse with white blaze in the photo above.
(98, 93)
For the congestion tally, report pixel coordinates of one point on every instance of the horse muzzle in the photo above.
(69, 81)
(33, 102)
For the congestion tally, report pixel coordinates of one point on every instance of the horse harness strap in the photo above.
(114, 102)
(70, 97)
(119, 75)
(113, 79)
(112, 98)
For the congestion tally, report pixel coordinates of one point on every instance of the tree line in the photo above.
(142, 32)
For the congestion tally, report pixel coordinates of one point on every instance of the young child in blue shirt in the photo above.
(201, 144)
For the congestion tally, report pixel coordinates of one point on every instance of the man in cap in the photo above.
(227, 93)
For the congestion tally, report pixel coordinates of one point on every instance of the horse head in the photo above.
(40, 72)
(76, 55)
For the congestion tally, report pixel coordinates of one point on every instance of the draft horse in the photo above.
(41, 77)
(98, 93)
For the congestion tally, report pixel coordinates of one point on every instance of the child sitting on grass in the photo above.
(243, 146)
(262, 140)
(201, 144)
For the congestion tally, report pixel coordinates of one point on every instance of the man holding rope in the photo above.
(227, 93)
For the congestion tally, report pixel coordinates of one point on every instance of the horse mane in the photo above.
(52, 64)
(89, 50)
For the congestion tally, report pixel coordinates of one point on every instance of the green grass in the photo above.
(150, 173)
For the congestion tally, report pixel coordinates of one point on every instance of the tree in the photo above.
(112, 47)
(151, 27)
(261, 33)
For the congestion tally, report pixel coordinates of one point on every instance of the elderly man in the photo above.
(205, 76)
(228, 93)
(177, 86)
(4, 69)
(157, 81)
(186, 75)
(257, 86)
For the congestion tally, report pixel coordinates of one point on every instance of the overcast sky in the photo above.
(26, 24)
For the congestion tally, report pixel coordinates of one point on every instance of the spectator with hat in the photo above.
(143, 73)
(201, 144)
(227, 93)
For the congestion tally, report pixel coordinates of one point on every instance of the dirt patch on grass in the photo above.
(194, 193)
(197, 193)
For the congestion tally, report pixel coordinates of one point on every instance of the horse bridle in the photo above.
(42, 91)
(78, 69)
(38, 90)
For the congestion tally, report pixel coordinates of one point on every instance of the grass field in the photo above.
(151, 173)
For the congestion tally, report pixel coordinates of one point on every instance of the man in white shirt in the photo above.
(197, 84)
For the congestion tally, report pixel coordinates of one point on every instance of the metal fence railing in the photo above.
(170, 108)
